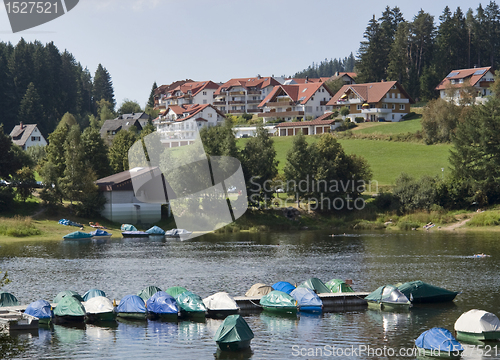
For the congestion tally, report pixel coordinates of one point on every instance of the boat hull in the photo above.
(132, 316)
(388, 306)
(221, 313)
(68, 319)
(281, 309)
(163, 317)
(135, 234)
(311, 309)
(234, 346)
(107, 316)
(439, 354)
(482, 336)
(193, 314)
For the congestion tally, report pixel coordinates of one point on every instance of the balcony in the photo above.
(282, 114)
(323, 103)
(395, 101)
(219, 103)
(279, 103)
(376, 111)
(235, 112)
(233, 93)
(254, 110)
(254, 92)
(237, 102)
(254, 101)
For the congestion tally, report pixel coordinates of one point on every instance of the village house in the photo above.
(453, 86)
(380, 101)
(111, 127)
(27, 135)
(298, 101)
(192, 92)
(239, 96)
(123, 205)
(323, 124)
(160, 93)
(179, 125)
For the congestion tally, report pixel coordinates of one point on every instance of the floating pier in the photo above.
(331, 301)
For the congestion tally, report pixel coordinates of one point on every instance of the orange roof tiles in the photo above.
(369, 92)
(463, 74)
(257, 82)
(300, 93)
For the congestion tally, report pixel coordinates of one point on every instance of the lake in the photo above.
(233, 263)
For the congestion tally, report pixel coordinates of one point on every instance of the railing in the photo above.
(282, 114)
(322, 103)
(254, 110)
(237, 93)
(237, 102)
(219, 103)
(279, 103)
(254, 92)
(254, 101)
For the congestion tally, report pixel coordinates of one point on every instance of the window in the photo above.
(358, 107)
(322, 90)
(393, 106)
(317, 108)
(393, 87)
(399, 96)
(204, 101)
(312, 98)
(402, 107)
(453, 81)
(209, 115)
(35, 138)
(461, 81)
(384, 106)
(388, 95)
(204, 93)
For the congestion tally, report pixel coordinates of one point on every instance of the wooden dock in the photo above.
(331, 301)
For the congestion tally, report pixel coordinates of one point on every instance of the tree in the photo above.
(24, 181)
(219, 140)
(415, 194)
(439, 121)
(129, 107)
(96, 152)
(474, 157)
(344, 111)
(30, 109)
(371, 57)
(299, 169)
(260, 166)
(151, 99)
(75, 169)
(399, 61)
(118, 152)
(103, 87)
(36, 153)
(334, 85)
(8, 165)
(104, 111)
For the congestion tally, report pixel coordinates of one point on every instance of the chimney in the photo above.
(21, 125)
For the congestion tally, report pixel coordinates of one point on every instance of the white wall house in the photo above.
(296, 101)
(239, 96)
(192, 92)
(452, 86)
(178, 125)
(27, 135)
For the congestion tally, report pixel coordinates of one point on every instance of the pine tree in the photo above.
(118, 152)
(103, 87)
(399, 60)
(370, 65)
(422, 36)
(30, 109)
(492, 14)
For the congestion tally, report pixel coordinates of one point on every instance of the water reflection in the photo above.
(233, 263)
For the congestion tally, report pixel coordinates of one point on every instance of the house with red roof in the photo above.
(243, 95)
(385, 100)
(160, 93)
(451, 88)
(297, 101)
(179, 125)
(322, 124)
(191, 92)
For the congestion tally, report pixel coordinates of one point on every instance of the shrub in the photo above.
(359, 119)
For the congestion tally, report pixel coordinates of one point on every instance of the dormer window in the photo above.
(453, 81)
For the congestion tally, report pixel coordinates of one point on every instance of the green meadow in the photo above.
(389, 128)
(387, 159)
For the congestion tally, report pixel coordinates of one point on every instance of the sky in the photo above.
(143, 41)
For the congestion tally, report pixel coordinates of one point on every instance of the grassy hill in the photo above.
(386, 158)
(389, 128)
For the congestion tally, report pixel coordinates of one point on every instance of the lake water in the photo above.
(232, 263)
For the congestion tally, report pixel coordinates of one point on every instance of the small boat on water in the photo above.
(338, 286)
(7, 299)
(146, 293)
(307, 300)
(421, 292)
(93, 293)
(69, 310)
(100, 234)
(259, 290)
(131, 307)
(234, 334)
(78, 235)
(40, 309)
(438, 342)
(388, 297)
(477, 325)
(155, 230)
(279, 301)
(99, 308)
(315, 284)
(178, 233)
(134, 234)
(220, 305)
(174, 291)
(11, 320)
(65, 293)
(190, 305)
(284, 286)
(162, 306)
